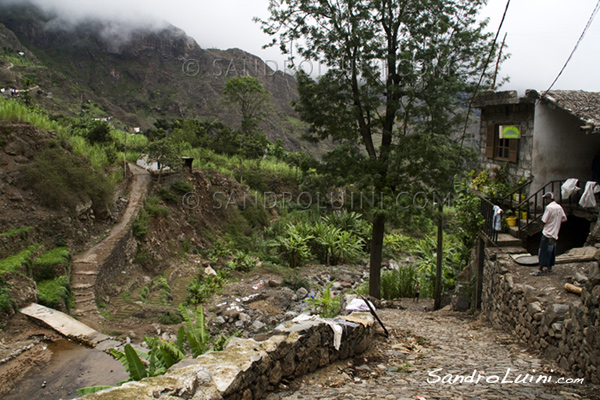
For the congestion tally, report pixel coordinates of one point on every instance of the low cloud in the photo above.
(118, 20)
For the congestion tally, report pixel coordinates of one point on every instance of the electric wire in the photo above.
(485, 66)
(587, 26)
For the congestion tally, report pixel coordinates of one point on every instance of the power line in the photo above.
(483, 72)
(589, 23)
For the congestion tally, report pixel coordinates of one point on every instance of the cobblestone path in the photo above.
(425, 351)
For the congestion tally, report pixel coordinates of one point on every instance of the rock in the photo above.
(210, 271)
(276, 282)
(556, 312)
(244, 318)
(258, 325)
(219, 320)
(290, 315)
(301, 293)
(579, 277)
(19, 147)
(534, 308)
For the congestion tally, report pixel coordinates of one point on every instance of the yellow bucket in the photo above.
(511, 221)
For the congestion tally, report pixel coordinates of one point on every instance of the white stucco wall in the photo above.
(560, 149)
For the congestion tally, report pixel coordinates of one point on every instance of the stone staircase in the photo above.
(88, 265)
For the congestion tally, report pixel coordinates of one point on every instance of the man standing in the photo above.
(553, 217)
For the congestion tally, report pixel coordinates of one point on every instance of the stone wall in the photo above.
(565, 331)
(111, 267)
(248, 369)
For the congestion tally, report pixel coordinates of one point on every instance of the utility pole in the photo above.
(125, 156)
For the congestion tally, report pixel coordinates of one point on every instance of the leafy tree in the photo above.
(398, 72)
(99, 132)
(165, 153)
(251, 99)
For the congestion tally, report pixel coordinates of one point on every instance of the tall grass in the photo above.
(58, 255)
(16, 261)
(206, 159)
(12, 110)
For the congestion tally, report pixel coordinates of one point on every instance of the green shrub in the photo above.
(398, 282)
(182, 187)
(327, 306)
(202, 287)
(144, 293)
(153, 208)
(60, 179)
(293, 246)
(170, 317)
(167, 195)
(141, 224)
(7, 303)
(55, 292)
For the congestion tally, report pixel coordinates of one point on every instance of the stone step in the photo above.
(85, 273)
(81, 298)
(81, 286)
(508, 240)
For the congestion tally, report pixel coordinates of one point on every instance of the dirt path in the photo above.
(86, 265)
(426, 347)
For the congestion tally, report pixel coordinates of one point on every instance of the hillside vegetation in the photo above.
(156, 73)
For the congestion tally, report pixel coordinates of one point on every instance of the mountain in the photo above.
(133, 74)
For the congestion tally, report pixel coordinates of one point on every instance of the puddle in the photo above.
(71, 367)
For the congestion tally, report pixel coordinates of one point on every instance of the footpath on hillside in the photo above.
(86, 265)
(429, 354)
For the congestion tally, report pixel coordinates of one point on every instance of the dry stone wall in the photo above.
(248, 369)
(568, 333)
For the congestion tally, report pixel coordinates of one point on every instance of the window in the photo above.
(500, 149)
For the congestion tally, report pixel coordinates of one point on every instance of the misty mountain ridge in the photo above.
(132, 72)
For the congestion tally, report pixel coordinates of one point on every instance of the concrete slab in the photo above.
(65, 325)
(579, 254)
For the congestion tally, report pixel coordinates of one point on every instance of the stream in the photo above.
(71, 367)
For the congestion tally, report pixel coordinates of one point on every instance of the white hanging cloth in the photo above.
(497, 219)
(569, 187)
(588, 198)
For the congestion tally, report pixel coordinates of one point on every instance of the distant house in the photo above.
(549, 137)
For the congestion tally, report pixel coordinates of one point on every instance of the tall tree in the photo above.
(398, 72)
(250, 98)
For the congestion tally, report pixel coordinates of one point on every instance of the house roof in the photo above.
(583, 105)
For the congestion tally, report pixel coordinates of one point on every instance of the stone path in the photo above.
(425, 348)
(86, 265)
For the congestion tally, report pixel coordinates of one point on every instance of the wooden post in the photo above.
(437, 295)
(480, 265)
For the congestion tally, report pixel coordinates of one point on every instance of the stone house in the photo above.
(557, 135)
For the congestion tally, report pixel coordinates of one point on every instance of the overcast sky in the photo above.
(541, 33)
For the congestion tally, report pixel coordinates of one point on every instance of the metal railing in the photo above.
(487, 211)
(534, 204)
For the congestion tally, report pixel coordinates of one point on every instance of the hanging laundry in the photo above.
(497, 219)
(588, 198)
(569, 187)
